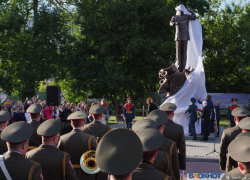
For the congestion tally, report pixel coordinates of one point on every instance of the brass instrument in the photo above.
(88, 162)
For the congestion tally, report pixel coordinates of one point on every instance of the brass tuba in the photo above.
(88, 162)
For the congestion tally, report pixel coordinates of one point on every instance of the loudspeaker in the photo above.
(53, 95)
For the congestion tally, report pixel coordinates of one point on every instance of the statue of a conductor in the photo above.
(181, 22)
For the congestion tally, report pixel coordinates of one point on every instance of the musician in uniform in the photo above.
(35, 140)
(151, 140)
(245, 124)
(168, 145)
(96, 128)
(230, 109)
(175, 133)
(55, 164)
(76, 143)
(228, 136)
(239, 150)
(4, 117)
(119, 156)
(162, 161)
(129, 112)
(13, 164)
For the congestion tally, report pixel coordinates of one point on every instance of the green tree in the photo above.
(225, 42)
(30, 54)
(122, 46)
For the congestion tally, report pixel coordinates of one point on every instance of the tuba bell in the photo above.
(88, 162)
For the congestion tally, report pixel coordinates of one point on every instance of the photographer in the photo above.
(65, 112)
(18, 114)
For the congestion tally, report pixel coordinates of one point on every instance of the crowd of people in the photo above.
(153, 148)
(18, 110)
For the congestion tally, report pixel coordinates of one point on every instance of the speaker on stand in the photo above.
(53, 96)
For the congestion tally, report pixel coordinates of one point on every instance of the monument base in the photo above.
(177, 80)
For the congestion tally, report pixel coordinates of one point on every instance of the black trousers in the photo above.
(218, 126)
(205, 125)
(212, 125)
(181, 54)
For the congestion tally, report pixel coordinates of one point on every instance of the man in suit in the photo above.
(129, 112)
(181, 22)
(175, 133)
(192, 117)
(17, 114)
(76, 143)
(168, 145)
(56, 164)
(151, 140)
(4, 117)
(16, 166)
(35, 140)
(119, 156)
(96, 128)
(229, 135)
(162, 161)
(230, 109)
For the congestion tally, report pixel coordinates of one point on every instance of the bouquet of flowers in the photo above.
(198, 114)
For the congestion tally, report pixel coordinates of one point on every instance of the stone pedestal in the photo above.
(176, 82)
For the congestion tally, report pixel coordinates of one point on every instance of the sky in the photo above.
(235, 1)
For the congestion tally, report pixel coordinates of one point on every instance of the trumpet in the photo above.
(88, 162)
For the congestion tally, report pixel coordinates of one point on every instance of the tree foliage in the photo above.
(123, 46)
(29, 54)
(225, 50)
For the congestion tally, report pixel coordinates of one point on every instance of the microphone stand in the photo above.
(214, 150)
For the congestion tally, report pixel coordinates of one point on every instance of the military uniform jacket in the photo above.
(146, 171)
(169, 146)
(129, 111)
(163, 163)
(230, 109)
(230, 164)
(96, 128)
(227, 137)
(182, 29)
(20, 168)
(3, 146)
(234, 174)
(76, 143)
(56, 164)
(35, 139)
(175, 133)
(192, 112)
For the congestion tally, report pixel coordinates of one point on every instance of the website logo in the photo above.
(205, 176)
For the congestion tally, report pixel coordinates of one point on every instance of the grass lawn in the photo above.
(112, 120)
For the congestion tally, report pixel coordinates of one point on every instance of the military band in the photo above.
(228, 135)
(167, 145)
(76, 143)
(175, 133)
(155, 151)
(13, 163)
(4, 117)
(55, 164)
(35, 140)
(163, 162)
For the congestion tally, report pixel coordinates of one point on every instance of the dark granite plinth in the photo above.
(176, 82)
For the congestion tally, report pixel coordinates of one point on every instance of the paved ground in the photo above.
(197, 159)
(199, 148)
